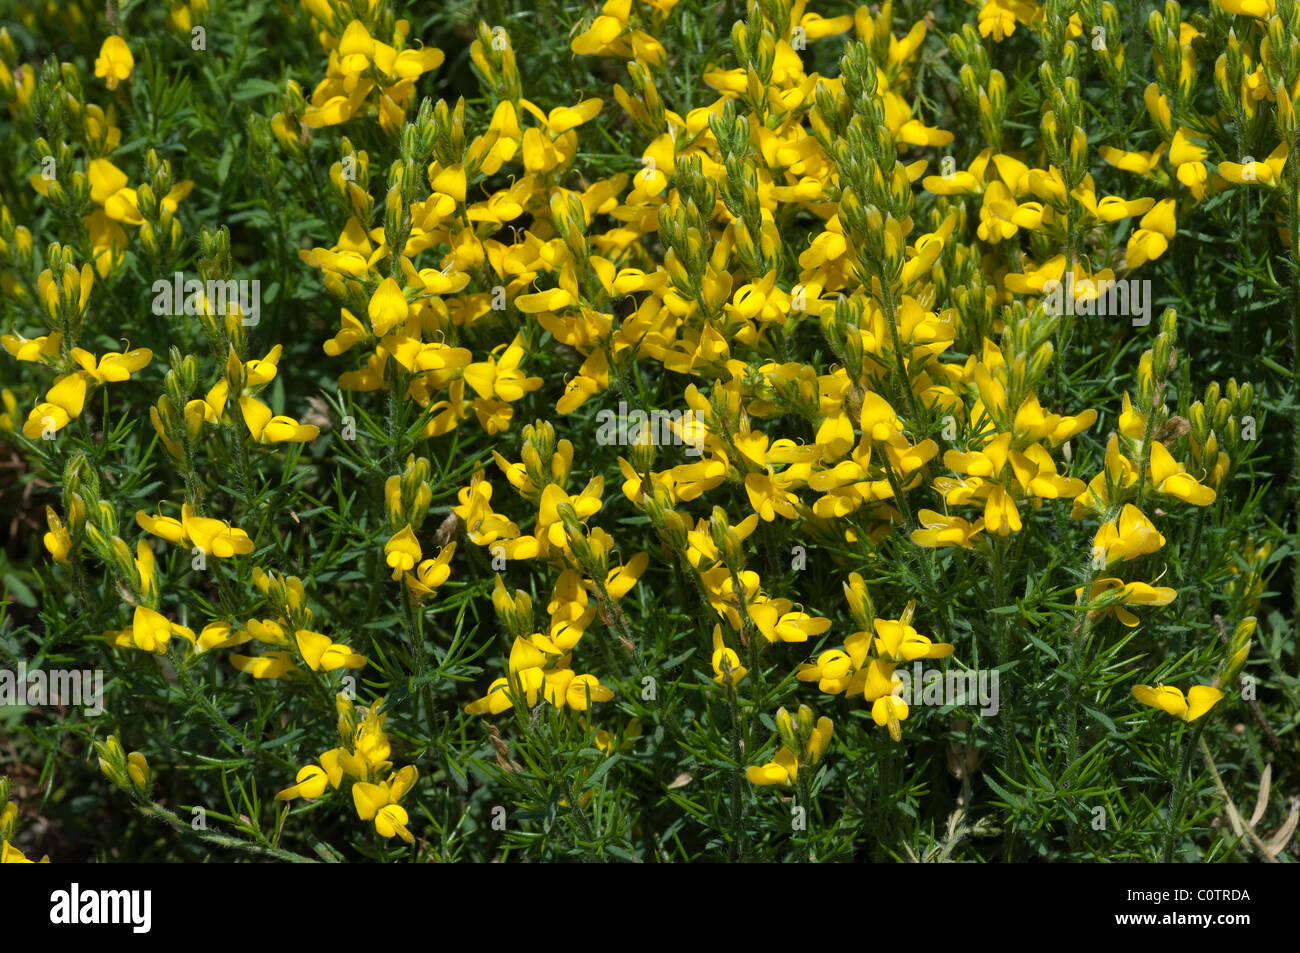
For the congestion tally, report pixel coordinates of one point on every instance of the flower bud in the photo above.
(785, 727)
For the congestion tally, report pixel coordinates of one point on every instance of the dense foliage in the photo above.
(665, 430)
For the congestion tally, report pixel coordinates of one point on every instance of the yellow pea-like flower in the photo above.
(431, 573)
(324, 655)
(114, 62)
(1171, 478)
(58, 540)
(150, 631)
(402, 552)
(271, 665)
(214, 536)
(1134, 536)
(63, 404)
(35, 349)
(1199, 699)
(355, 48)
(783, 769)
(113, 366)
(388, 307)
(310, 784)
(268, 428)
(378, 802)
(725, 661)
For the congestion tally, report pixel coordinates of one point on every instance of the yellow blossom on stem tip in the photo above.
(114, 62)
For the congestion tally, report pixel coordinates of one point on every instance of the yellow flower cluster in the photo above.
(364, 757)
(131, 772)
(540, 665)
(803, 745)
(865, 665)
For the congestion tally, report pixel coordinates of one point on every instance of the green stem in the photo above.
(1003, 639)
(890, 308)
(1178, 795)
(740, 846)
(197, 697)
(805, 801)
(153, 809)
(1076, 647)
(1293, 220)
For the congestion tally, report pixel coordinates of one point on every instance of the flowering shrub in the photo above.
(660, 430)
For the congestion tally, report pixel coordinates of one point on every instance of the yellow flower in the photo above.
(1199, 700)
(9, 854)
(998, 18)
(1134, 536)
(890, 710)
(1143, 163)
(137, 769)
(113, 366)
(498, 697)
(1187, 158)
(549, 525)
(402, 552)
(261, 371)
(208, 410)
(220, 635)
(1000, 513)
(778, 620)
(782, 770)
(388, 307)
(1259, 9)
(835, 669)
(1267, 172)
(563, 688)
(499, 383)
(431, 573)
(271, 665)
(726, 663)
(267, 428)
(1119, 594)
(63, 404)
(150, 631)
(58, 540)
(1170, 478)
(941, 530)
(115, 61)
(1153, 234)
(310, 784)
(378, 802)
(355, 48)
(108, 188)
(323, 655)
(214, 537)
(36, 349)
(620, 580)
(897, 641)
